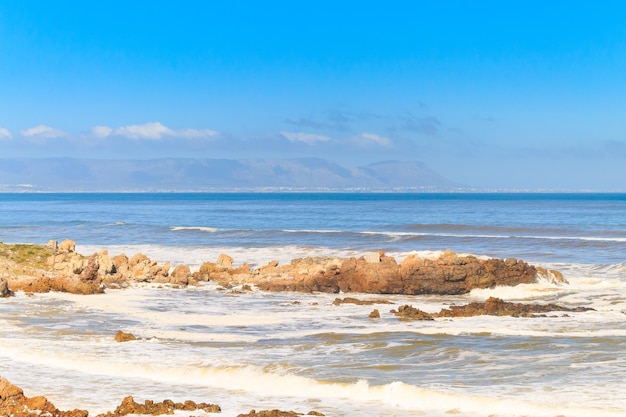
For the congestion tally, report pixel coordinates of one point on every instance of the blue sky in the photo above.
(488, 93)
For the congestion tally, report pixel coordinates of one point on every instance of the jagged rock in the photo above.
(67, 246)
(372, 273)
(407, 312)
(90, 271)
(375, 314)
(449, 274)
(121, 336)
(14, 403)
(5, 291)
(224, 261)
(498, 307)
(129, 406)
(72, 284)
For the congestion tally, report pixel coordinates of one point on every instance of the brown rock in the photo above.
(72, 284)
(407, 312)
(375, 314)
(67, 246)
(224, 261)
(180, 275)
(120, 336)
(449, 274)
(90, 272)
(498, 307)
(129, 406)
(14, 403)
(5, 291)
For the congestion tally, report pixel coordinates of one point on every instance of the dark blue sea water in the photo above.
(572, 228)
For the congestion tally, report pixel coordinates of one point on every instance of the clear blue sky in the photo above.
(487, 93)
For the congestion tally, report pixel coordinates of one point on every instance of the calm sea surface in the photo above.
(298, 351)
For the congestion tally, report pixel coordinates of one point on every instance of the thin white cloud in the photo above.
(152, 130)
(308, 138)
(42, 132)
(374, 138)
(195, 133)
(5, 134)
(101, 131)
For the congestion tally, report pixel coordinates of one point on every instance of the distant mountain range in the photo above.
(175, 174)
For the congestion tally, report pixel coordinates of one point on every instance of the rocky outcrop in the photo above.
(449, 274)
(498, 307)
(72, 284)
(375, 273)
(14, 403)
(491, 307)
(149, 407)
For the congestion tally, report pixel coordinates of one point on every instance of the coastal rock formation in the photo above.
(14, 403)
(449, 274)
(498, 307)
(62, 269)
(491, 307)
(129, 406)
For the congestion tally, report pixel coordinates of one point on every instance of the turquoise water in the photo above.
(301, 352)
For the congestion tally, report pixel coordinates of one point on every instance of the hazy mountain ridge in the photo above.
(177, 174)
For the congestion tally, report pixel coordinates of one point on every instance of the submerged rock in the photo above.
(497, 307)
(278, 413)
(407, 312)
(352, 300)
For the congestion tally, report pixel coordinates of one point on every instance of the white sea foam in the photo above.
(255, 380)
(196, 256)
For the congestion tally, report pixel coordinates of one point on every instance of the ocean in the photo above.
(295, 351)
